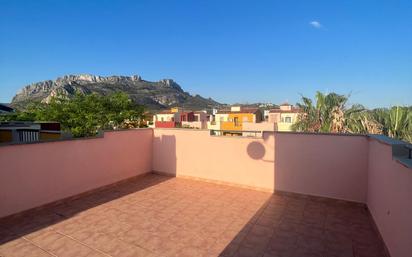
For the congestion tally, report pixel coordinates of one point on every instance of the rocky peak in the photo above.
(170, 83)
(156, 95)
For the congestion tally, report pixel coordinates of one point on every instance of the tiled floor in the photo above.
(160, 216)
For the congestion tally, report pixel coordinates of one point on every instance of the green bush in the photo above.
(83, 115)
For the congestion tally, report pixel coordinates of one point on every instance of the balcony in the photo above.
(231, 126)
(168, 192)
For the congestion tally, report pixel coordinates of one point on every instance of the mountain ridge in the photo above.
(158, 95)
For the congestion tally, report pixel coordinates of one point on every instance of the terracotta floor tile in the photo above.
(23, 249)
(311, 230)
(267, 221)
(288, 253)
(260, 230)
(68, 247)
(256, 242)
(300, 252)
(46, 238)
(243, 251)
(160, 216)
(190, 251)
(281, 244)
(313, 244)
(12, 244)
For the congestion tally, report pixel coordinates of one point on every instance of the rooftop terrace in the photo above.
(167, 192)
(162, 216)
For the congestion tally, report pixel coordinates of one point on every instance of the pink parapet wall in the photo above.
(194, 153)
(390, 198)
(355, 168)
(322, 165)
(35, 174)
(327, 165)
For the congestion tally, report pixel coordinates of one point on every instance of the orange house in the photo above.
(237, 116)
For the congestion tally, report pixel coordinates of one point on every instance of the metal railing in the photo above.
(28, 135)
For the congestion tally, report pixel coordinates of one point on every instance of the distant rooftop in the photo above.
(5, 108)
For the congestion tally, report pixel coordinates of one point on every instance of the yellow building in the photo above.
(176, 109)
(231, 122)
(284, 117)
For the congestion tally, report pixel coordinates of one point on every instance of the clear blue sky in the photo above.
(232, 51)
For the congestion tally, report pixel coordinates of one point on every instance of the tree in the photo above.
(360, 120)
(84, 115)
(327, 115)
(330, 114)
(396, 121)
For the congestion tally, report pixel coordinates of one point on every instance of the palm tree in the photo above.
(359, 120)
(396, 122)
(328, 115)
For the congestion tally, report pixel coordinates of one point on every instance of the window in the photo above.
(236, 120)
(288, 119)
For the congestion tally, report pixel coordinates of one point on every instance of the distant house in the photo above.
(167, 119)
(231, 122)
(177, 117)
(197, 120)
(4, 108)
(187, 116)
(284, 116)
(148, 119)
(26, 132)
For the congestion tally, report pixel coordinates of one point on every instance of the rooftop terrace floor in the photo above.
(162, 216)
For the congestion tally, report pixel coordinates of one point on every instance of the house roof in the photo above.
(245, 110)
(293, 110)
(186, 112)
(5, 108)
(285, 104)
(166, 112)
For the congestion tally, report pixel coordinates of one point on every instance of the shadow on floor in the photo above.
(295, 225)
(183, 217)
(31, 221)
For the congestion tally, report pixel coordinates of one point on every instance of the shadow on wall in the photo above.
(167, 155)
(256, 150)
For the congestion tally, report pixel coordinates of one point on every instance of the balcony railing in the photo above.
(28, 135)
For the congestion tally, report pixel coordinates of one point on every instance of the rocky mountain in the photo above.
(154, 95)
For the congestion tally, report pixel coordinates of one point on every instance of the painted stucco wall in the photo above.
(324, 165)
(344, 167)
(201, 116)
(165, 124)
(242, 161)
(260, 126)
(390, 198)
(274, 117)
(35, 174)
(194, 124)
